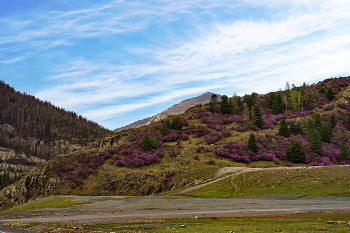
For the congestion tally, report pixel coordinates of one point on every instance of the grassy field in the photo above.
(309, 222)
(321, 181)
(47, 202)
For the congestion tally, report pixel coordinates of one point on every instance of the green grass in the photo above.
(46, 202)
(324, 181)
(308, 222)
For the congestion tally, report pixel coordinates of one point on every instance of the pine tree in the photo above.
(332, 121)
(326, 132)
(318, 122)
(177, 123)
(224, 105)
(344, 152)
(329, 94)
(347, 122)
(296, 153)
(258, 118)
(164, 129)
(316, 142)
(149, 142)
(252, 144)
(284, 130)
(213, 104)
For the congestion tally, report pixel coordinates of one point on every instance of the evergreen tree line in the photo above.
(36, 122)
(6, 179)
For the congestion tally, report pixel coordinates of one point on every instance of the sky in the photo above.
(116, 61)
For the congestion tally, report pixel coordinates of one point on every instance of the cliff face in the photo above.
(174, 110)
(17, 162)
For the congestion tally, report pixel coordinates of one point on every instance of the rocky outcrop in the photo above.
(10, 156)
(35, 184)
(346, 96)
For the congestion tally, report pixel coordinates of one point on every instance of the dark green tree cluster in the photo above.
(257, 117)
(225, 105)
(328, 92)
(250, 100)
(275, 103)
(252, 144)
(6, 179)
(296, 152)
(344, 152)
(176, 123)
(315, 140)
(214, 104)
(149, 142)
(164, 128)
(286, 129)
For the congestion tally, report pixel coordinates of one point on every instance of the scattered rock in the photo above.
(331, 222)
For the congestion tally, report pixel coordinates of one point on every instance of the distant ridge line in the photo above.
(174, 110)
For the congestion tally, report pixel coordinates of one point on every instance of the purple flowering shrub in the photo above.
(80, 166)
(212, 138)
(328, 107)
(344, 106)
(197, 131)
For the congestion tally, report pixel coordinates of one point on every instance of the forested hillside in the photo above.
(40, 128)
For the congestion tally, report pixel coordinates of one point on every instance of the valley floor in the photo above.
(133, 209)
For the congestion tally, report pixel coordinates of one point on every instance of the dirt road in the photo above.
(125, 209)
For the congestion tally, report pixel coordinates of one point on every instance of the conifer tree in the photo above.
(224, 105)
(284, 130)
(252, 144)
(317, 122)
(325, 132)
(177, 123)
(316, 142)
(347, 122)
(344, 152)
(332, 121)
(149, 142)
(329, 94)
(213, 104)
(164, 129)
(296, 153)
(258, 118)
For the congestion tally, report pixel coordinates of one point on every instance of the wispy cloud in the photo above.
(118, 57)
(13, 60)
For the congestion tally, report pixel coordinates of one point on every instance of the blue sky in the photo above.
(116, 62)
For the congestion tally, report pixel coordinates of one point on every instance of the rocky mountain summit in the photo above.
(174, 110)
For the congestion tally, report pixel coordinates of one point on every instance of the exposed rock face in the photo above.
(17, 162)
(174, 110)
(37, 183)
(346, 95)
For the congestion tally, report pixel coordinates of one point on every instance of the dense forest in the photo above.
(41, 129)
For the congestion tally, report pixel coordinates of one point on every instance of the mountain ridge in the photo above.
(174, 110)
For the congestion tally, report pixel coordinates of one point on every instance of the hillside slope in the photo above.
(174, 110)
(31, 128)
(307, 125)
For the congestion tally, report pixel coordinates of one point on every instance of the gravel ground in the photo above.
(131, 209)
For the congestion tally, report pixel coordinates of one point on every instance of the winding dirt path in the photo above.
(220, 175)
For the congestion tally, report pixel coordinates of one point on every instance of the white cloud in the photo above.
(13, 60)
(304, 41)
